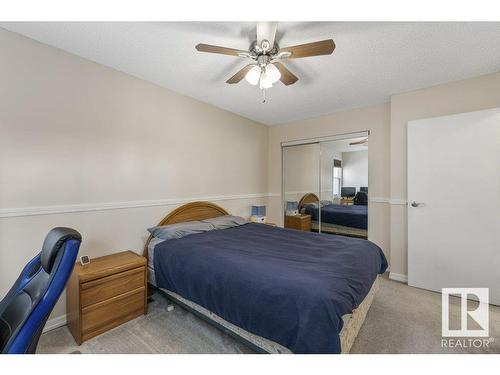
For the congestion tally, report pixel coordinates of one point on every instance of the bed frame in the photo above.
(327, 227)
(189, 212)
(308, 198)
(206, 210)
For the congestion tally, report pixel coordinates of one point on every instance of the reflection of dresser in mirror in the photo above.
(299, 222)
(346, 201)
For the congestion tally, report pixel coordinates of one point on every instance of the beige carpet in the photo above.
(160, 331)
(401, 319)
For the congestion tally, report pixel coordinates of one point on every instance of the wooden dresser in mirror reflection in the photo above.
(299, 222)
(105, 293)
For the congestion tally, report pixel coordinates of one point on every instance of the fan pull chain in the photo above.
(263, 95)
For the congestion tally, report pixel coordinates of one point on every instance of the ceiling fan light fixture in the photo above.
(265, 81)
(253, 75)
(265, 69)
(272, 73)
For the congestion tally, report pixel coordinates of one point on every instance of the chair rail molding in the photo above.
(398, 201)
(88, 207)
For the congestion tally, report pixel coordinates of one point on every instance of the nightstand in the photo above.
(299, 222)
(105, 293)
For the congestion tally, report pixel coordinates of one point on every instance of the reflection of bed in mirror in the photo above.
(347, 220)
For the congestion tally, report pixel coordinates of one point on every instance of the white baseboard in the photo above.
(55, 323)
(398, 277)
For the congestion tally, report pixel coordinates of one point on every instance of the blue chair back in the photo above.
(27, 306)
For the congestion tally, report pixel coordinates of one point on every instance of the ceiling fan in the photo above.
(363, 141)
(267, 55)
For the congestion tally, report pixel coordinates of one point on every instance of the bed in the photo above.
(347, 220)
(279, 290)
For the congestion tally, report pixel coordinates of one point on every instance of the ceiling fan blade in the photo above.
(287, 77)
(266, 31)
(324, 47)
(220, 50)
(240, 74)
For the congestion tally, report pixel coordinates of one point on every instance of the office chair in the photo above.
(361, 199)
(27, 306)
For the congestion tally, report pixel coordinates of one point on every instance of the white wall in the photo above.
(88, 147)
(355, 169)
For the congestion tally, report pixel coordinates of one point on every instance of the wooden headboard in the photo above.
(308, 198)
(189, 212)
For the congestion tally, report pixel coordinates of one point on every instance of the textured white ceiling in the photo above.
(372, 61)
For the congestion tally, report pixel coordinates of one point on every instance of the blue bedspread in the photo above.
(289, 286)
(349, 216)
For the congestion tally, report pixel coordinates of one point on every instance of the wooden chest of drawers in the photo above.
(106, 293)
(299, 222)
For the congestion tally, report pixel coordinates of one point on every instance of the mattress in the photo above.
(256, 276)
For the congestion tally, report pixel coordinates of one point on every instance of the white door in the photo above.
(454, 185)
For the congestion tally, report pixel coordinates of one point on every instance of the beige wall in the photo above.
(456, 97)
(77, 133)
(300, 171)
(375, 119)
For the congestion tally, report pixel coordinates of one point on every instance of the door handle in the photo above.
(415, 204)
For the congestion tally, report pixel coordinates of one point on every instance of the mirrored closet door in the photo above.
(325, 185)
